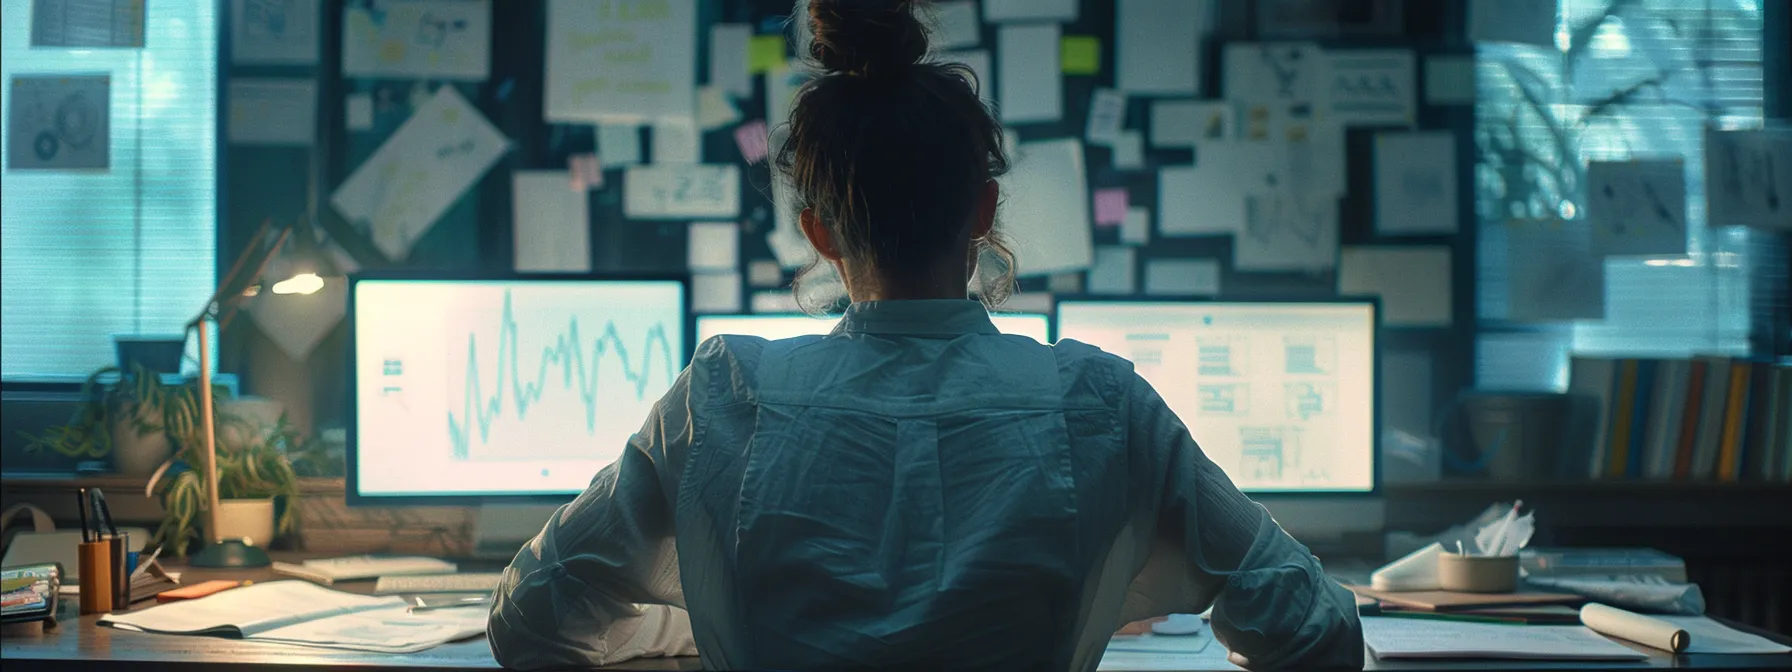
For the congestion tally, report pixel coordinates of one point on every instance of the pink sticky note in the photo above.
(586, 172)
(754, 141)
(1110, 207)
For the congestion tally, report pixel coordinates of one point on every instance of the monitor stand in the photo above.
(500, 530)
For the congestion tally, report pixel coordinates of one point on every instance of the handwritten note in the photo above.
(1107, 111)
(1637, 207)
(682, 191)
(431, 39)
(1373, 87)
(628, 61)
(274, 31)
(1748, 178)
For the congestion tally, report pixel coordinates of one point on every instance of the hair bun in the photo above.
(866, 37)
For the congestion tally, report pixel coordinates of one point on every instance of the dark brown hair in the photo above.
(892, 151)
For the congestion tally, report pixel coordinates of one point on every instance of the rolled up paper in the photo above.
(1635, 627)
(1416, 571)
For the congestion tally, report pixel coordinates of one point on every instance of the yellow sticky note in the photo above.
(1080, 54)
(765, 53)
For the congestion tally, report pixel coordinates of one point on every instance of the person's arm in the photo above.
(600, 584)
(1273, 607)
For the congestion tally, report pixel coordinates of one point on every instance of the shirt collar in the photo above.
(924, 318)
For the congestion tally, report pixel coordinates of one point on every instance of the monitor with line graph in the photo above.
(775, 326)
(498, 389)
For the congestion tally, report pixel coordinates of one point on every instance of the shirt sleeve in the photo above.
(600, 585)
(1273, 606)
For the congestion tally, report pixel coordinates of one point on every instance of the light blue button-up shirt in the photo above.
(913, 490)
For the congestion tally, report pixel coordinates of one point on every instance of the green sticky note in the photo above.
(1080, 54)
(765, 53)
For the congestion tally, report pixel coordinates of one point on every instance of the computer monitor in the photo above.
(1281, 395)
(503, 390)
(1034, 325)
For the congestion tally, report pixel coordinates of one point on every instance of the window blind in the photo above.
(85, 255)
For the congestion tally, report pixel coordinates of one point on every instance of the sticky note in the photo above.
(765, 53)
(619, 144)
(676, 141)
(1080, 55)
(715, 109)
(1110, 207)
(714, 246)
(586, 170)
(1129, 150)
(715, 292)
(1136, 230)
(358, 108)
(765, 273)
(753, 141)
(1107, 112)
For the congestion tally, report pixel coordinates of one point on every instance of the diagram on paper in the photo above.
(59, 123)
(1225, 399)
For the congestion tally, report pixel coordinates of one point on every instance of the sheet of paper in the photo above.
(1312, 159)
(283, 32)
(765, 53)
(1288, 72)
(587, 172)
(418, 39)
(676, 141)
(714, 246)
(1182, 277)
(1107, 112)
(1283, 232)
(1194, 652)
(1112, 271)
(1029, 302)
(1046, 207)
(1079, 54)
(1413, 282)
(1029, 10)
(87, 23)
(1415, 183)
(1182, 123)
(552, 222)
(1556, 277)
(978, 61)
(715, 292)
(1709, 636)
(1208, 198)
(1129, 150)
(649, 61)
(954, 25)
(765, 273)
(1156, 51)
(1032, 88)
(1748, 178)
(59, 122)
(1373, 87)
(1637, 207)
(1394, 638)
(357, 111)
(420, 171)
(777, 301)
(272, 111)
(1110, 206)
(1136, 230)
(715, 109)
(753, 140)
(682, 191)
(1450, 79)
(1520, 21)
(728, 58)
(1065, 283)
(618, 145)
(781, 87)
(390, 630)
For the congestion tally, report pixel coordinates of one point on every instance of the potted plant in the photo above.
(253, 472)
(126, 420)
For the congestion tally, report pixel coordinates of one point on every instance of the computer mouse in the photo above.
(1178, 624)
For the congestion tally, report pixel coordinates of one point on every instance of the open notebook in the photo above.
(299, 612)
(1395, 638)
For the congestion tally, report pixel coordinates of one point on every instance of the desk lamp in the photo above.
(240, 284)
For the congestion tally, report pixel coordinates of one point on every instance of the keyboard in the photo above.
(480, 582)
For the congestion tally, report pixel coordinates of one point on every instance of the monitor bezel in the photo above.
(1376, 341)
(351, 450)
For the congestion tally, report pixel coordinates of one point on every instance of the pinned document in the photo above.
(283, 32)
(1637, 207)
(1286, 233)
(1029, 10)
(1107, 112)
(1182, 277)
(1372, 87)
(421, 39)
(649, 62)
(619, 145)
(1136, 230)
(1031, 86)
(1518, 21)
(1748, 178)
(552, 223)
(728, 63)
(1156, 46)
(1182, 123)
(1208, 198)
(272, 111)
(1414, 283)
(87, 23)
(1112, 270)
(1415, 183)
(955, 25)
(676, 141)
(59, 122)
(682, 191)
(1129, 150)
(1047, 207)
(714, 246)
(715, 109)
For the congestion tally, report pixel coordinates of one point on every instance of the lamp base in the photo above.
(230, 553)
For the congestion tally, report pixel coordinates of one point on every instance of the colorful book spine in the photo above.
(1729, 450)
(1636, 455)
(1623, 410)
(1689, 420)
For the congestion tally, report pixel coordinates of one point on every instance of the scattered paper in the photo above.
(753, 140)
(954, 24)
(1637, 207)
(357, 111)
(1208, 198)
(1521, 21)
(1136, 230)
(715, 109)
(87, 23)
(1182, 277)
(676, 141)
(1415, 183)
(1029, 10)
(1156, 46)
(1413, 282)
(587, 172)
(978, 61)
(682, 191)
(764, 273)
(618, 145)
(1287, 233)
(1112, 270)
(765, 53)
(728, 69)
(272, 111)
(1450, 80)
(1182, 123)
(1046, 207)
(552, 223)
(1373, 87)
(608, 62)
(1748, 178)
(283, 32)
(1079, 55)
(1110, 207)
(1032, 88)
(418, 39)
(420, 171)
(59, 122)
(1552, 274)
(1107, 111)
(1129, 150)
(715, 293)
(714, 246)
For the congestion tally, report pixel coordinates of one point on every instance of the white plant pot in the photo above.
(251, 520)
(136, 454)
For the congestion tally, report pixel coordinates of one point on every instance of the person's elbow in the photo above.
(1288, 617)
(524, 634)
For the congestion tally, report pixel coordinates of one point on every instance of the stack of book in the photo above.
(1706, 418)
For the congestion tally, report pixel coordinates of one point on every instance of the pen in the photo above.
(102, 512)
(81, 505)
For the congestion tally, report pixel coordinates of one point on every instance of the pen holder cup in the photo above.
(1477, 573)
(95, 558)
